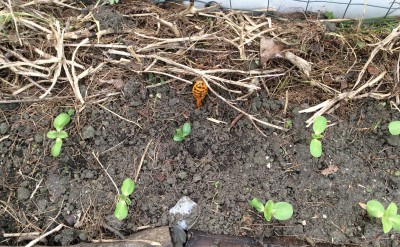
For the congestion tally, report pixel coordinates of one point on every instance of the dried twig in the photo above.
(112, 180)
(33, 242)
(141, 160)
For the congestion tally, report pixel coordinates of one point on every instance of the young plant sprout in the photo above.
(59, 123)
(183, 132)
(319, 127)
(279, 210)
(121, 209)
(390, 218)
(394, 128)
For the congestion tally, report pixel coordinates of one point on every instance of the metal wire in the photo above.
(389, 6)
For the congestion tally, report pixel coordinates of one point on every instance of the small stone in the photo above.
(88, 132)
(38, 138)
(42, 204)
(89, 174)
(178, 236)
(196, 178)
(182, 175)
(23, 194)
(83, 236)
(393, 140)
(24, 183)
(135, 103)
(9, 107)
(4, 127)
(184, 213)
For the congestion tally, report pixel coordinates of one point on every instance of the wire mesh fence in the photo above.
(339, 8)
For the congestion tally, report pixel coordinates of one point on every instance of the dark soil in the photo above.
(218, 167)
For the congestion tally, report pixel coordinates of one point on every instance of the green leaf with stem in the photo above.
(282, 211)
(56, 148)
(386, 224)
(61, 120)
(319, 125)
(255, 203)
(316, 148)
(186, 129)
(128, 186)
(178, 138)
(121, 210)
(52, 134)
(268, 210)
(394, 127)
(57, 134)
(395, 220)
(375, 209)
(391, 210)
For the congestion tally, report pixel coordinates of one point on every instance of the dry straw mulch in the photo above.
(50, 50)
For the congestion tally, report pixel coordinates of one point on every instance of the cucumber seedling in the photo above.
(279, 210)
(59, 134)
(182, 133)
(121, 209)
(390, 218)
(319, 127)
(394, 128)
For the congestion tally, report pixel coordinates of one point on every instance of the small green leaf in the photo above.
(255, 203)
(61, 120)
(62, 134)
(186, 129)
(128, 201)
(128, 186)
(52, 134)
(319, 124)
(317, 136)
(395, 222)
(121, 210)
(71, 112)
(122, 197)
(316, 148)
(282, 211)
(386, 224)
(178, 138)
(394, 127)
(268, 210)
(391, 210)
(375, 209)
(56, 148)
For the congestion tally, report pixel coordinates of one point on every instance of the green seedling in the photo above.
(183, 132)
(394, 128)
(329, 15)
(319, 127)
(121, 209)
(59, 123)
(279, 210)
(390, 218)
(288, 124)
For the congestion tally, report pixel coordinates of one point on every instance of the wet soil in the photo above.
(219, 167)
